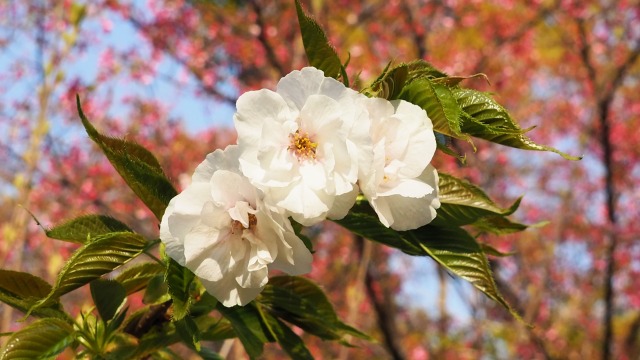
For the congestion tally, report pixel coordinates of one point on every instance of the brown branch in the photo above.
(418, 37)
(604, 98)
(262, 38)
(161, 43)
(512, 298)
(381, 308)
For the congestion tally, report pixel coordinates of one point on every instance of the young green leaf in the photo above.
(137, 166)
(44, 339)
(391, 82)
(179, 280)
(464, 203)
(22, 290)
(108, 296)
(299, 301)
(137, 277)
(101, 256)
(439, 103)
(84, 228)
(486, 119)
(320, 53)
(249, 327)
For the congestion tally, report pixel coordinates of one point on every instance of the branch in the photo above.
(262, 38)
(418, 36)
(604, 98)
(162, 44)
(384, 316)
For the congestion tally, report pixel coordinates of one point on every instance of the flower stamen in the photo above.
(237, 227)
(302, 146)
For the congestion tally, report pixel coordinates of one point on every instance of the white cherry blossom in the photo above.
(220, 228)
(304, 144)
(401, 186)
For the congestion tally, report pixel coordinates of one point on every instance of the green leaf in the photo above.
(137, 277)
(188, 331)
(23, 284)
(179, 280)
(498, 225)
(22, 290)
(301, 302)
(459, 253)
(108, 296)
(290, 342)
(463, 203)
(157, 291)
(44, 339)
(84, 228)
(249, 327)
(490, 250)
(297, 228)
(101, 256)
(215, 329)
(137, 166)
(486, 119)
(361, 220)
(391, 82)
(451, 247)
(439, 103)
(320, 53)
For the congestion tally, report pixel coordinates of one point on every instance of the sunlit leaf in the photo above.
(99, 257)
(137, 277)
(179, 280)
(498, 225)
(459, 253)
(320, 53)
(84, 228)
(439, 103)
(451, 247)
(22, 290)
(44, 339)
(137, 166)
(464, 203)
(108, 296)
(486, 119)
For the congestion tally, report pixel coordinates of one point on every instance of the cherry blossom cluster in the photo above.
(304, 151)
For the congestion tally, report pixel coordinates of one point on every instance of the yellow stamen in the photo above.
(302, 146)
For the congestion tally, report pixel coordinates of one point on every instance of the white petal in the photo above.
(343, 203)
(407, 188)
(306, 206)
(219, 159)
(173, 244)
(313, 175)
(297, 86)
(405, 213)
(299, 261)
(229, 292)
(254, 110)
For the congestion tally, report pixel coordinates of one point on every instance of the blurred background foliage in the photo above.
(167, 72)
